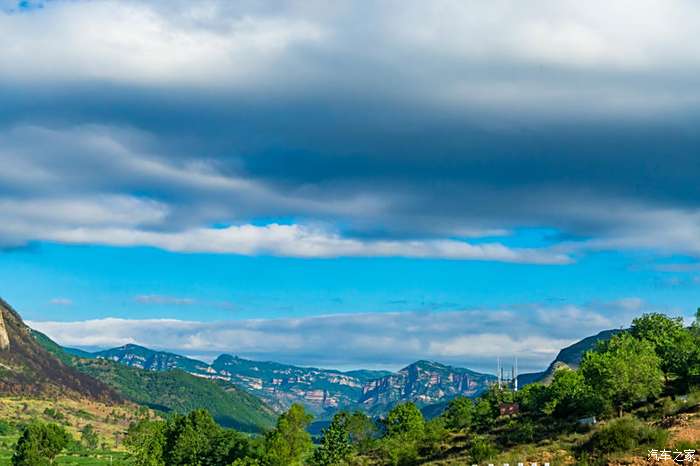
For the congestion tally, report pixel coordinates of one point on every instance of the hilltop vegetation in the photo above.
(172, 390)
(179, 392)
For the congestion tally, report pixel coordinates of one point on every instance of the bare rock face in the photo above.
(4, 337)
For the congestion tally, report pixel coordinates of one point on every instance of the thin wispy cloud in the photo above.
(61, 301)
(161, 299)
(471, 338)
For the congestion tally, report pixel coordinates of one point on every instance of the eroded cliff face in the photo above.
(4, 337)
(423, 382)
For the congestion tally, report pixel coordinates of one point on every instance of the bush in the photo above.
(5, 427)
(521, 431)
(481, 449)
(625, 434)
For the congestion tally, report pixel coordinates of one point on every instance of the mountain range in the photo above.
(323, 391)
(239, 392)
(319, 390)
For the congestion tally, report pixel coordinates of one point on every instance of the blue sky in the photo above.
(348, 185)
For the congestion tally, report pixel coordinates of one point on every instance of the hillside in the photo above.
(282, 384)
(144, 358)
(322, 391)
(28, 369)
(178, 391)
(279, 385)
(569, 356)
(171, 390)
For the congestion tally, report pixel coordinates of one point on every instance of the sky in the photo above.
(348, 184)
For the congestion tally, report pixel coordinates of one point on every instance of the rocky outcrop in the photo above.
(4, 337)
(423, 382)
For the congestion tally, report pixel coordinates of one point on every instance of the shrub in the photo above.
(481, 449)
(625, 434)
(5, 427)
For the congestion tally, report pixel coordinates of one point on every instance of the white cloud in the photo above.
(161, 299)
(471, 338)
(300, 241)
(61, 301)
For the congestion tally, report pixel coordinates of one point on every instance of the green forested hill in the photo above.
(172, 390)
(178, 391)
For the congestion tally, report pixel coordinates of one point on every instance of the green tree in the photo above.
(145, 441)
(404, 420)
(289, 442)
(227, 446)
(623, 370)
(39, 444)
(404, 434)
(485, 413)
(570, 395)
(362, 431)
(673, 343)
(459, 413)
(335, 443)
(89, 437)
(188, 438)
(532, 398)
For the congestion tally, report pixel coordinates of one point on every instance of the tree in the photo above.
(570, 395)
(289, 442)
(623, 370)
(194, 439)
(362, 430)
(145, 441)
(672, 342)
(188, 438)
(485, 413)
(404, 420)
(227, 446)
(88, 437)
(532, 398)
(335, 443)
(404, 434)
(459, 413)
(39, 444)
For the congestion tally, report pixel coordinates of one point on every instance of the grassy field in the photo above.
(109, 422)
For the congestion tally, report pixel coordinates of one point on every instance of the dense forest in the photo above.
(616, 402)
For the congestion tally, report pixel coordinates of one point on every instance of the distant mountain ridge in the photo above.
(569, 357)
(425, 383)
(319, 390)
(324, 391)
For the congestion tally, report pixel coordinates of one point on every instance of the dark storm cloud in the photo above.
(386, 121)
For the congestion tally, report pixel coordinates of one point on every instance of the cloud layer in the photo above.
(324, 130)
(471, 338)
